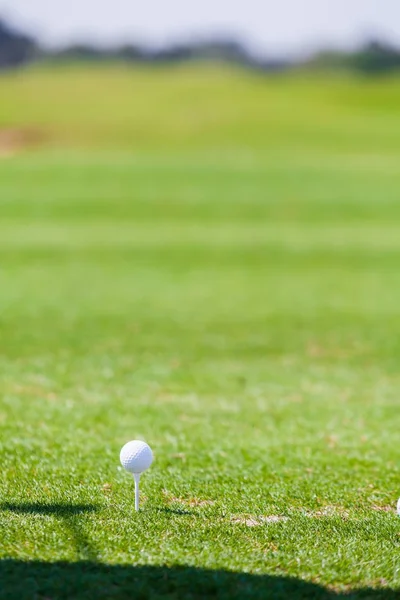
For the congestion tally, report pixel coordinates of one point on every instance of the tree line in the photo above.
(18, 49)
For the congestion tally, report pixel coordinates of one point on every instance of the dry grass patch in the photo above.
(15, 140)
(385, 508)
(256, 521)
(329, 511)
(187, 502)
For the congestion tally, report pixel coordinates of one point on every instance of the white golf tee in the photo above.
(137, 480)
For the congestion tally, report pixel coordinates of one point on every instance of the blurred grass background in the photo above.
(207, 258)
(204, 107)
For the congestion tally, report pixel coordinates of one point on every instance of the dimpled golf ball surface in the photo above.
(136, 456)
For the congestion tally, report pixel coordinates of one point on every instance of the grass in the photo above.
(207, 260)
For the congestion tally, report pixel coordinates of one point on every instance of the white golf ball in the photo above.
(398, 507)
(136, 456)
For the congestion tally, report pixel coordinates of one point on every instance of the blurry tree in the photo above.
(373, 59)
(15, 48)
(376, 58)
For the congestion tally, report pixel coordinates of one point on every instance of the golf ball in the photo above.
(136, 456)
(398, 507)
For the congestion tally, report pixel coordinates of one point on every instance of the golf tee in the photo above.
(137, 480)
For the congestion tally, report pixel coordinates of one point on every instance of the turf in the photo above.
(208, 260)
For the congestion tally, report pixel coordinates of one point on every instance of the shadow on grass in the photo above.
(88, 580)
(177, 511)
(69, 514)
(57, 509)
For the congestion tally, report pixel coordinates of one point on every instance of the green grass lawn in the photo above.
(208, 260)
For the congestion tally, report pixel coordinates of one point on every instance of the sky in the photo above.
(278, 28)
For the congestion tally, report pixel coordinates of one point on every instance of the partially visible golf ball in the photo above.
(136, 456)
(398, 507)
